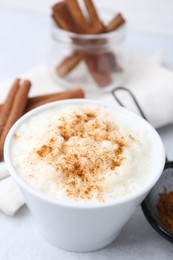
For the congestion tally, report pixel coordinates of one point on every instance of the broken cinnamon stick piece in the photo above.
(77, 15)
(6, 107)
(115, 23)
(41, 100)
(16, 112)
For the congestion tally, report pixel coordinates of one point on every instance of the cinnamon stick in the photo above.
(108, 60)
(6, 108)
(36, 101)
(77, 15)
(63, 18)
(93, 15)
(115, 23)
(44, 99)
(71, 61)
(68, 64)
(97, 28)
(16, 112)
(100, 73)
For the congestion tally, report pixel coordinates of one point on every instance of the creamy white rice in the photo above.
(82, 153)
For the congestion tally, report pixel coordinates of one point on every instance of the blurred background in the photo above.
(24, 31)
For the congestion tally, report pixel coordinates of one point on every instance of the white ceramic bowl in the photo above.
(82, 227)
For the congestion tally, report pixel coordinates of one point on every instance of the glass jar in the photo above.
(93, 62)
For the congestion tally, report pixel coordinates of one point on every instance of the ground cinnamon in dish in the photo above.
(165, 209)
(84, 154)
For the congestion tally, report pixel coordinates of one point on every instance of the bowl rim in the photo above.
(142, 191)
(161, 230)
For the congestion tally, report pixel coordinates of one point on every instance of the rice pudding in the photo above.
(86, 153)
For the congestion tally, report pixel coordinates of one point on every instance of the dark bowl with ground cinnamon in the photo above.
(158, 205)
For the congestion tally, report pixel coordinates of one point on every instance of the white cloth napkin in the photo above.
(151, 83)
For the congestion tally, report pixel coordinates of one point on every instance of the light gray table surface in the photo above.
(24, 41)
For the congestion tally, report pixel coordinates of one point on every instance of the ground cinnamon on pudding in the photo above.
(88, 149)
(44, 150)
(165, 210)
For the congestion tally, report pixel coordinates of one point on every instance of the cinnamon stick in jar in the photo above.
(93, 15)
(68, 63)
(115, 23)
(63, 18)
(77, 15)
(71, 61)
